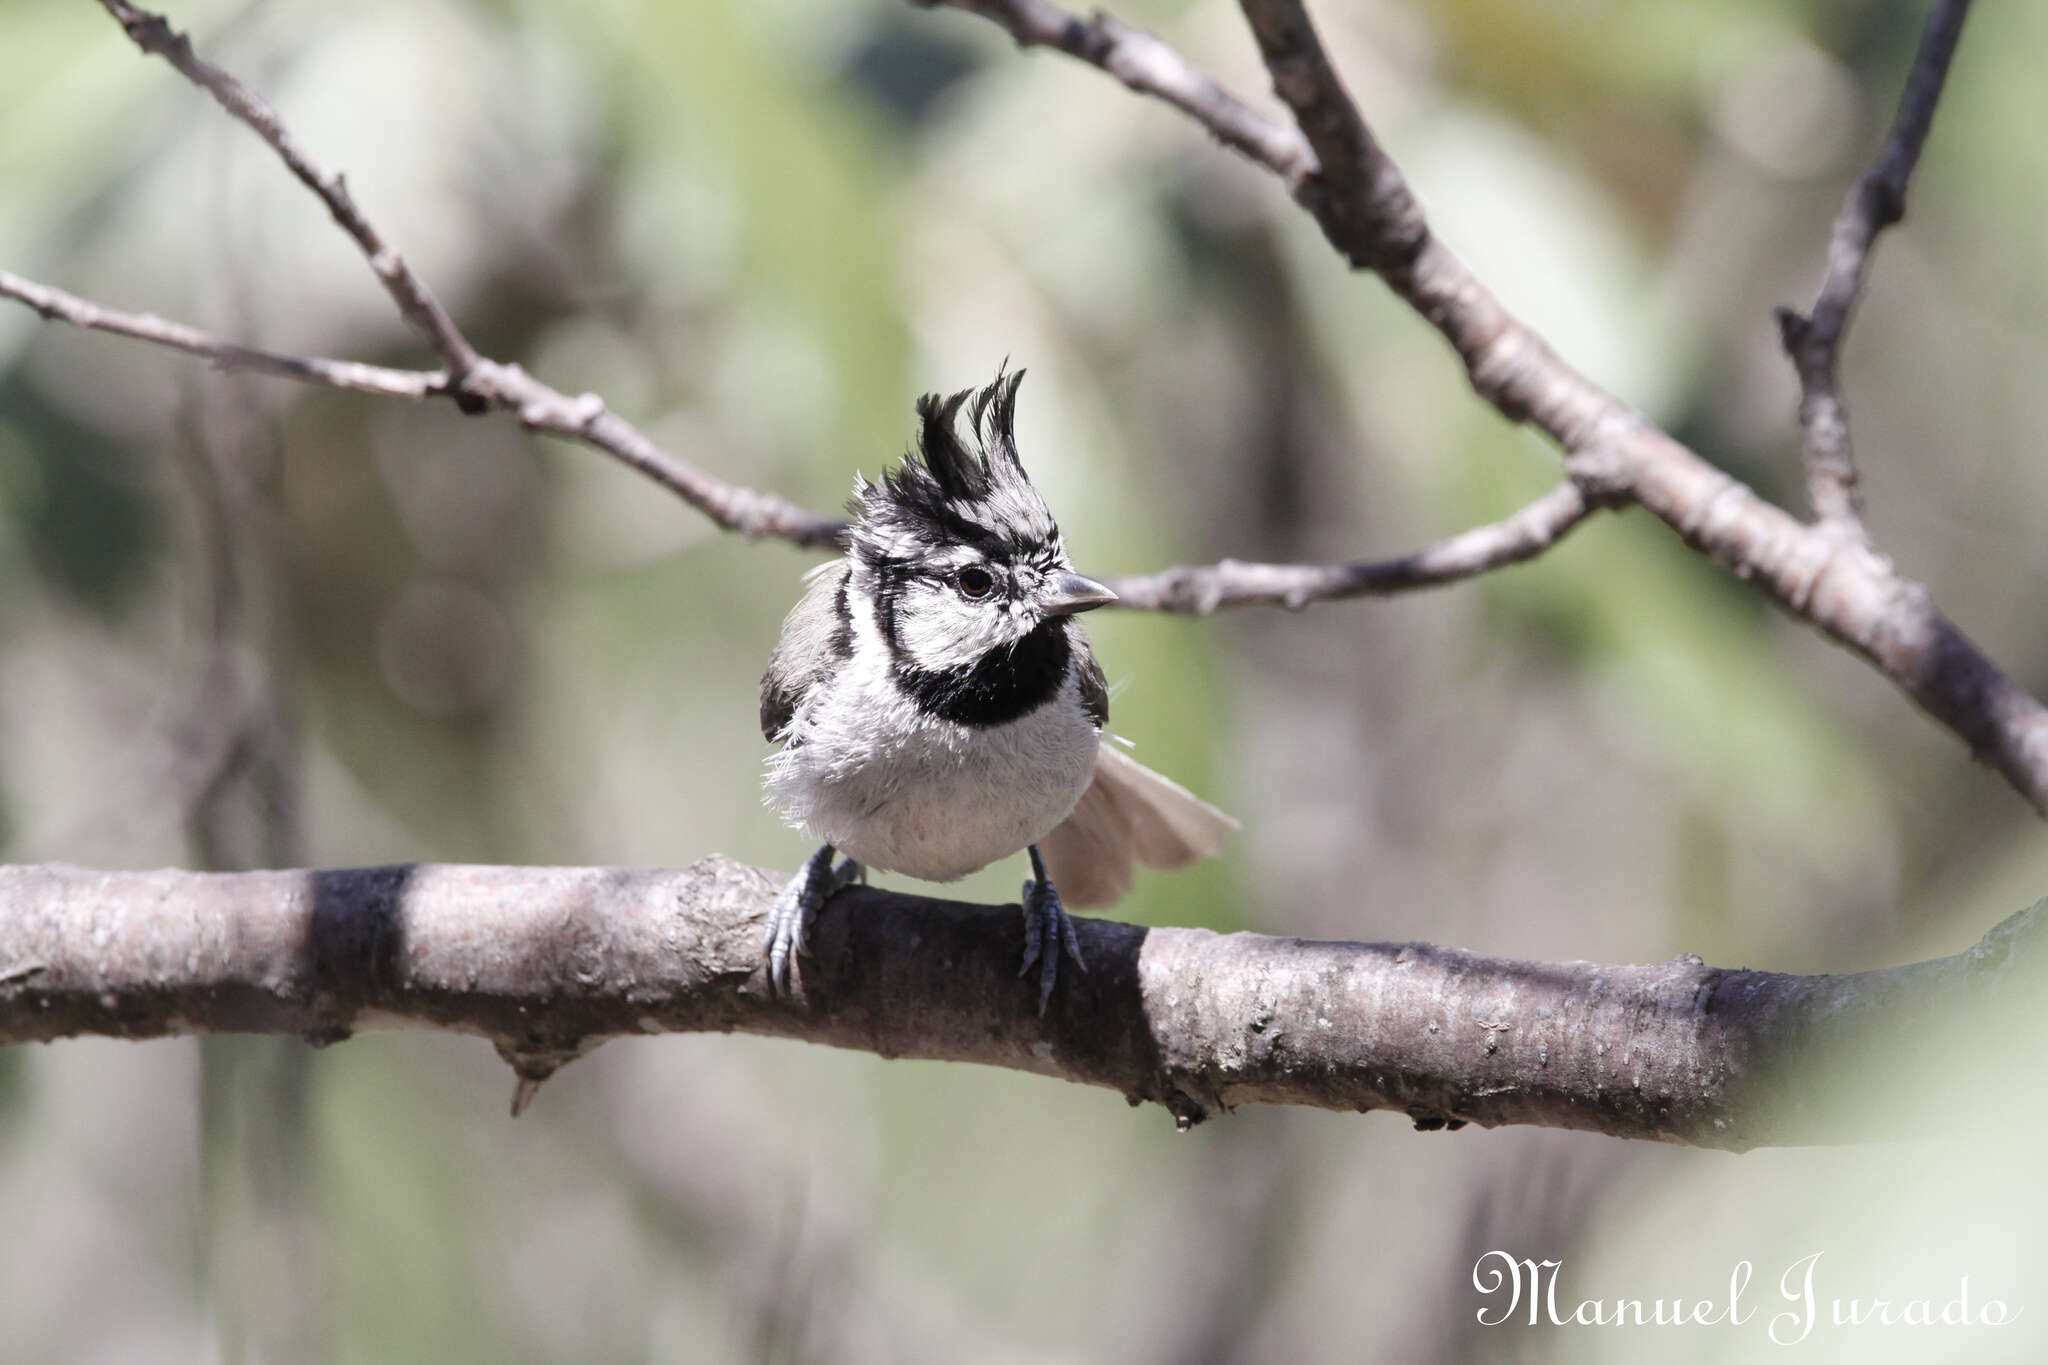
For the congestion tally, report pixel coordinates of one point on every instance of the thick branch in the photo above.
(550, 961)
(1874, 203)
(1234, 583)
(1849, 592)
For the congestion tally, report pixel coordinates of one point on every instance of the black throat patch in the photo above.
(999, 687)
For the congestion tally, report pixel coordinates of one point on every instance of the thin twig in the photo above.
(1233, 583)
(154, 35)
(585, 418)
(1150, 67)
(474, 382)
(1813, 341)
(57, 305)
(1183, 588)
(492, 386)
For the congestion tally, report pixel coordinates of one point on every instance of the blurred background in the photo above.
(245, 623)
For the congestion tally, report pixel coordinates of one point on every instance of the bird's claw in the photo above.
(1048, 934)
(789, 919)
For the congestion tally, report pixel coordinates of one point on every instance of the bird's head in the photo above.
(963, 558)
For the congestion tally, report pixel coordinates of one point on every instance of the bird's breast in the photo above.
(905, 791)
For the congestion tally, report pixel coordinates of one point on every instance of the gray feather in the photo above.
(1094, 687)
(1128, 815)
(816, 638)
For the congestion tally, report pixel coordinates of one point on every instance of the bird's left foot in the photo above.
(1048, 932)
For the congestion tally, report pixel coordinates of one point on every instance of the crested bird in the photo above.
(938, 706)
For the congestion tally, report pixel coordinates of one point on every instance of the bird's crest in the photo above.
(953, 491)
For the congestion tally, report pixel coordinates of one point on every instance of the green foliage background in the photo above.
(760, 229)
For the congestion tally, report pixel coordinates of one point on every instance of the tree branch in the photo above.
(154, 35)
(56, 305)
(1234, 583)
(476, 384)
(1876, 201)
(548, 962)
(1612, 453)
(1150, 67)
(1184, 588)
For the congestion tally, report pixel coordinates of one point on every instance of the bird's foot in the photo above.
(789, 919)
(1048, 932)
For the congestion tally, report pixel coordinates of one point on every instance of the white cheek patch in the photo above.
(937, 630)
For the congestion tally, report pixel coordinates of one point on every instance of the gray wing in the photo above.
(1094, 687)
(1128, 815)
(816, 636)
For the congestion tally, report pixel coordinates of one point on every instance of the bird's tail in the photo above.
(1128, 815)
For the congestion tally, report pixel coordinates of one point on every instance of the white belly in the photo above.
(907, 793)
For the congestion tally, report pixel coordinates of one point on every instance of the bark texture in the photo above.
(548, 962)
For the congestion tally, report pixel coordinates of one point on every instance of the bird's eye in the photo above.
(975, 583)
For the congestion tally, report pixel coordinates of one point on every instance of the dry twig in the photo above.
(1233, 583)
(1814, 340)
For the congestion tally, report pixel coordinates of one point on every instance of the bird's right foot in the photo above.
(790, 917)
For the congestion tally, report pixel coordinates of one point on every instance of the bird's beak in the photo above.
(1067, 592)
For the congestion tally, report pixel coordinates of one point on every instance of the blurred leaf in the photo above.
(76, 501)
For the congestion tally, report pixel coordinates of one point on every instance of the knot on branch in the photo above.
(469, 400)
(1794, 327)
(1881, 195)
(153, 34)
(1603, 473)
(533, 1063)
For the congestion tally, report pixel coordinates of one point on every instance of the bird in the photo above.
(937, 705)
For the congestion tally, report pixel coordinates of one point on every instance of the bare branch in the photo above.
(475, 383)
(491, 386)
(1874, 202)
(59, 306)
(1180, 589)
(479, 384)
(548, 962)
(1357, 194)
(154, 35)
(1151, 67)
(1233, 583)
(585, 418)
(1613, 454)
